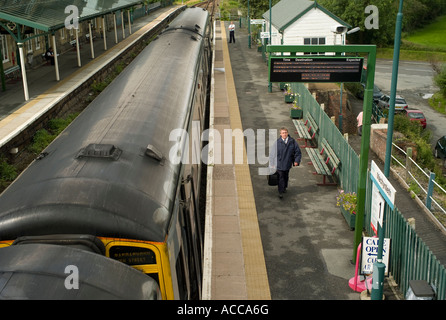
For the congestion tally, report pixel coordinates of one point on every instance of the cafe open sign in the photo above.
(315, 69)
(370, 254)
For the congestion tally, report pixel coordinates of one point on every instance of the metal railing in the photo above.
(411, 258)
(422, 183)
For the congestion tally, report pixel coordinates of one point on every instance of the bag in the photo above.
(273, 179)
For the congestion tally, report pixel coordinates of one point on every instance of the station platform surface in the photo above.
(45, 91)
(306, 243)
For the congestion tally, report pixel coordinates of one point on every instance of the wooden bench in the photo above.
(324, 159)
(306, 130)
(13, 73)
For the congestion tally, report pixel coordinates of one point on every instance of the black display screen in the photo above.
(315, 69)
(132, 255)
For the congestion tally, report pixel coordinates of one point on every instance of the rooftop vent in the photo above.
(152, 152)
(104, 151)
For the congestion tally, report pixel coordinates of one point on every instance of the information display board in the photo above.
(315, 69)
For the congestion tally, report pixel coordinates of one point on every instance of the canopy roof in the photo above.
(49, 15)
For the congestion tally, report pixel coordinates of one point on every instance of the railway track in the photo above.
(208, 5)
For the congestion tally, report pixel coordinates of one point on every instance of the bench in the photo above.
(13, 72)
(324, 159)
(87, 37)
(73, 44)
(306, 130)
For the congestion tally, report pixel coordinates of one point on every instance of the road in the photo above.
(415, 84)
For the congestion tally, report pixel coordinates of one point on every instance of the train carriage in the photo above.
(110, 176)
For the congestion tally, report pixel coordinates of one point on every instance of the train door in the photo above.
(191, 241)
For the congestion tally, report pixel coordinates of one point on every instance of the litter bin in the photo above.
(419, 290)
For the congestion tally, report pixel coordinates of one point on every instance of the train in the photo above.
(107, 211)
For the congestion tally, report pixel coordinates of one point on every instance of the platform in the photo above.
(16, 114)
(234, 261)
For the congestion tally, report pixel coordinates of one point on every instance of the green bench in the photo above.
(306, 130)
(324, 161)
(13, 73)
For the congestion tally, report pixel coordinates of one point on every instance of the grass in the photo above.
(44, 137)
(431, 36)
(427, 44)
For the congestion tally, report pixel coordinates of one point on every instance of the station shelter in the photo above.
(29, 28)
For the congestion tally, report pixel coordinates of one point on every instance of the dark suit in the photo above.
(282, 157)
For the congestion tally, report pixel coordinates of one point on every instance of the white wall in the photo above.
(314, 24)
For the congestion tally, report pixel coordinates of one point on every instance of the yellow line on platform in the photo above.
(255, 268)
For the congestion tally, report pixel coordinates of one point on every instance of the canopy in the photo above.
(50, 15)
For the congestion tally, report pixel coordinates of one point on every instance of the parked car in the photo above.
(377, 93)
(440, 148)
(400, 103)
(416, 115)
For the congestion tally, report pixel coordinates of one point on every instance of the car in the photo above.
(377, 93)
(416, 115)
(400, 103)
(440, 148)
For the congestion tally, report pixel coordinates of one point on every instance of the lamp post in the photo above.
(249, 29)
(379, 266)
(270, 85)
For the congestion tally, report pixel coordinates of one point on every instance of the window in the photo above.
(4, 47)
(314, 41)
(37, 39)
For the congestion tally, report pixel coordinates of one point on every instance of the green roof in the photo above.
(49, 15)
(286, 12)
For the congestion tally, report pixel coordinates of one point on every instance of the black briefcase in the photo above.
(273, 179)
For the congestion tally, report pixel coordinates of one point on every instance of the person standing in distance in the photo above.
(284, 155)
(231, 32)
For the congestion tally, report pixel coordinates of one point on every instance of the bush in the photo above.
(440, 80)
(7, 171)
(415, 133)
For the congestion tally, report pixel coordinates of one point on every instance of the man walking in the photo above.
(284, 155)
(231, 32)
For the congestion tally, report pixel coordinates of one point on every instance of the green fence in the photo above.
(348, 172)
(410, 258)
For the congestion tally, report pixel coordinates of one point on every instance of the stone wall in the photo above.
(378, 140)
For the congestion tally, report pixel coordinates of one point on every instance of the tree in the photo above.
(257, 7)
(354, 13)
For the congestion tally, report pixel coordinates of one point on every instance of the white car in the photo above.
(400, 103)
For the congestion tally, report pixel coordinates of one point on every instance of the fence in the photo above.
(422, 183)
(410, 258)
(348, 173)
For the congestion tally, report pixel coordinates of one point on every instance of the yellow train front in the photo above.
(113, 204)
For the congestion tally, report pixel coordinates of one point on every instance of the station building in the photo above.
(304, 22)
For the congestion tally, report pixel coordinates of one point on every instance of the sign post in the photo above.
(370, 247)
(382, 191)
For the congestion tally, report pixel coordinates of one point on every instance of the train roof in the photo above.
(51, 272)
(110, 173)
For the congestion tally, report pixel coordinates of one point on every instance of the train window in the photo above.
(132, 255)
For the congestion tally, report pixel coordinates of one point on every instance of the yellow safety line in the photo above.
(255, 268)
